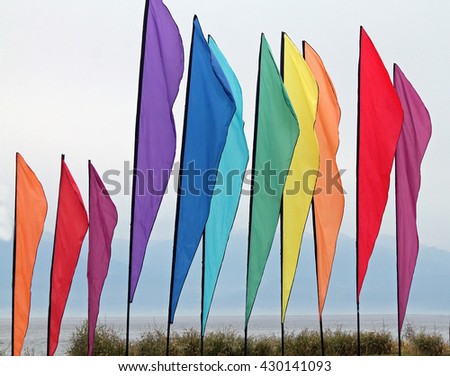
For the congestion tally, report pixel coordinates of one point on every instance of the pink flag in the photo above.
(102, 221)
(413, 141)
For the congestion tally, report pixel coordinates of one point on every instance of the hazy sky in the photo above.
(69, 74)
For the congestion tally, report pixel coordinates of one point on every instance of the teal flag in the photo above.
(225, 201)
(276, 133)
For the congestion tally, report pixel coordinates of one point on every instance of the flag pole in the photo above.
(89, 208)
(399, 329)
(252, 183)
(53, 259)
(358, 321)
(202, 334)
(177, 213)
(281, 218)
(136, 148)
(398, 283)
(322, 342)
(14, 264)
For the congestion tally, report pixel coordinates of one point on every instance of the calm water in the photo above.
(35, 342)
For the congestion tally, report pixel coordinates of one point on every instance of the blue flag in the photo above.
(224, 203)
(209, 110)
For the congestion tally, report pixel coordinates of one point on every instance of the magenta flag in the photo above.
(162, 70)
(413, 142)
(102, 221)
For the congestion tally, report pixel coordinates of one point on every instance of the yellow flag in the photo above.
(300, 183)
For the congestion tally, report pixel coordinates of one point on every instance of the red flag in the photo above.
(71, 228)
(380, 122)
(102, 221)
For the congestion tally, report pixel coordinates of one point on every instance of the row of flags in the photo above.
(70, 230)
(296, 135)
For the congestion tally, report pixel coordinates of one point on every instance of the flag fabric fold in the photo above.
(276, 134)
(71, 228)
(31, 211)
(102, 221)
(209, 111)
(380, 122)
(300, 183)
(411, 147)
(328, 200)
(224, 204)
(162, 70)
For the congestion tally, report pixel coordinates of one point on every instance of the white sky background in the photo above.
(69, 75)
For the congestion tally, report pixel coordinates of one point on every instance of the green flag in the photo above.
(276, 134)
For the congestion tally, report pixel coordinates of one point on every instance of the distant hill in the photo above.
(430, 292)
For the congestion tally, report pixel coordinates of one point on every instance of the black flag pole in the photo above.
(136, 148)
(180, 176)
(252, 184)
(202, 334)
(358, 322)
(322, 342)
(53, 259)
(281, 218)
(313, 215)
(89, 208)
(398, 275)
(14, 264)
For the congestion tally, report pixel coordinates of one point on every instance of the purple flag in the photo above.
(102, 221)
(413, 141)
(162, 70)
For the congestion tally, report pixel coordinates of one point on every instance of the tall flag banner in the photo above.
(276, 134)
(412, 144)
(162, 65)
(328, 201)
(102, 222)
(300, 183)
(31, 211)
(71, 228)
(380, 121)
(224, 204)
(209, 111)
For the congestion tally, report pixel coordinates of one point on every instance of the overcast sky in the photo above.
(69, 75)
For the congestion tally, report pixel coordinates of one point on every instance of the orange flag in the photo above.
(31, 211)
(328, 200)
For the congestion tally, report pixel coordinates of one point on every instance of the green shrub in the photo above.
(107, 341)
(224, 343)
(377, 343)
(150, 343)
(340, 342)
(307, 342)
(427, 344)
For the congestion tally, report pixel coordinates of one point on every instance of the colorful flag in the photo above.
(300, 183)
(224, 204)
(162, 70)
(380, 122)
(276, 133)
(411, 147)
(31, 211)
(102, 221)
(209, 110)
(328, 200)
(71, 228)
